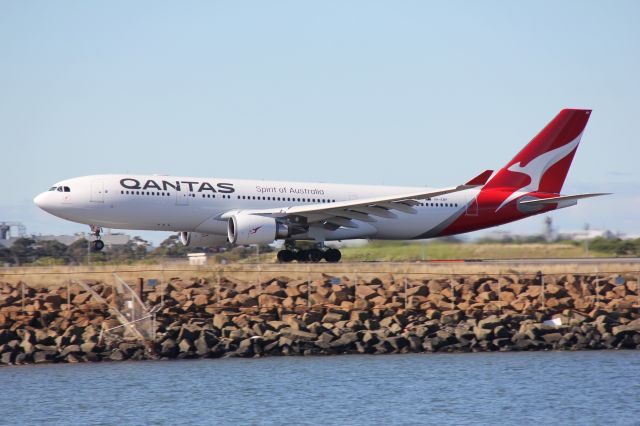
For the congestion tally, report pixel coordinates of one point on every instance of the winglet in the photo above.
(481, 179)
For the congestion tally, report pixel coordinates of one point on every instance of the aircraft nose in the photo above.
(41, 201)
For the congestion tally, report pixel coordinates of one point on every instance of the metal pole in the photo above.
(499, 292)
(218, 290)
(22, 291)
(544, 300)
(68, 295)
(152, 332)
(164, 286)
(355, 289)
(597, 288)
(405, 291)
(453, 298)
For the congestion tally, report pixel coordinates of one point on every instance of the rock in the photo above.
(220, 321)
(631, 327)
(201, 300)
(294, 334)
(365, 292)
(268, 300)
(169, 348)
(184, 345)
(7, 358)
(345, 341)
(40, 357)
(333, 317)
(70, 349)
(419, 290)
(361, 316)
(117, 355)
(552, 338)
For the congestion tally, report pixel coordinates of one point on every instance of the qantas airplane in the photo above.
(210, 212)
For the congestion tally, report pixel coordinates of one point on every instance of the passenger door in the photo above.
(182, 197)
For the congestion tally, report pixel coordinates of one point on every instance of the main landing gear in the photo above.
(97, 244)
(314, 255)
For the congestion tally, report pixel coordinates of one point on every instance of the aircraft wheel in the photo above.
(98, 245)
(285, 256)
(302, 256)
(332, 255)
(314, 255)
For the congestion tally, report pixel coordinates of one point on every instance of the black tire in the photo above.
(98, 245)
(315, 255)
(301, 256)
(332, 255)
(285, 256)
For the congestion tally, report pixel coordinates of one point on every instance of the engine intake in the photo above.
(244, 228)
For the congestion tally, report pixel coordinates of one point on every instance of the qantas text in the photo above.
(182, 185)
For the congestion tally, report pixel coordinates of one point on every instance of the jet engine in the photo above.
(245, 228)
(197, 239)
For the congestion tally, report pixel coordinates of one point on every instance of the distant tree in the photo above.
(23, 250)
(172, 247)
(51, 248)
(6, 256)
(77, 251)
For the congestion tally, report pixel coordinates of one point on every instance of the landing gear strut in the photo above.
(97, 244)
(314, 255)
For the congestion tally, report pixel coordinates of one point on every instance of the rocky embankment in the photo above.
(282, 316)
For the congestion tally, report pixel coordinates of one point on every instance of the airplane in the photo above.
(213, 212)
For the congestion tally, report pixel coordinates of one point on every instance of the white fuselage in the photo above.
(170, 203)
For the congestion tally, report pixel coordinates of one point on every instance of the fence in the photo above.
(298, 289)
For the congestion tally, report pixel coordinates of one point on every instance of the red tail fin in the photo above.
(543, 164)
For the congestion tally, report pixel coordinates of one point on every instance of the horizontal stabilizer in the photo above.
(481, 179)
(561, 198)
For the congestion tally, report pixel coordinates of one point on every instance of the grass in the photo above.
(409, 251)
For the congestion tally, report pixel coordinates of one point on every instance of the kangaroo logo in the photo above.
(537, 168)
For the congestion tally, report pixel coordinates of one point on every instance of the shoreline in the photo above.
(345, 314)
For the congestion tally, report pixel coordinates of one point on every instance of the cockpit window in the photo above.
(53, 188)
(67, 189)
(60, 189)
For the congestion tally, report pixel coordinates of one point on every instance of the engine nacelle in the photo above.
(244, 228)
(197, 239)
(185, 238)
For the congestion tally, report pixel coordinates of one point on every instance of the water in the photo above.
(505, 388)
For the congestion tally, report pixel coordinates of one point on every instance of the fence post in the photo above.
(405, 291)
(544, 300)
(500, 291)
(597, 290)
(218, 289)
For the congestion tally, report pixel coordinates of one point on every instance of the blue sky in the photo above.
(407, 93)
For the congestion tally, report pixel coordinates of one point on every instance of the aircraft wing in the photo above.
(342, 213)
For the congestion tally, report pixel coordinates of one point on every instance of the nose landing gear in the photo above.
(98, 244)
